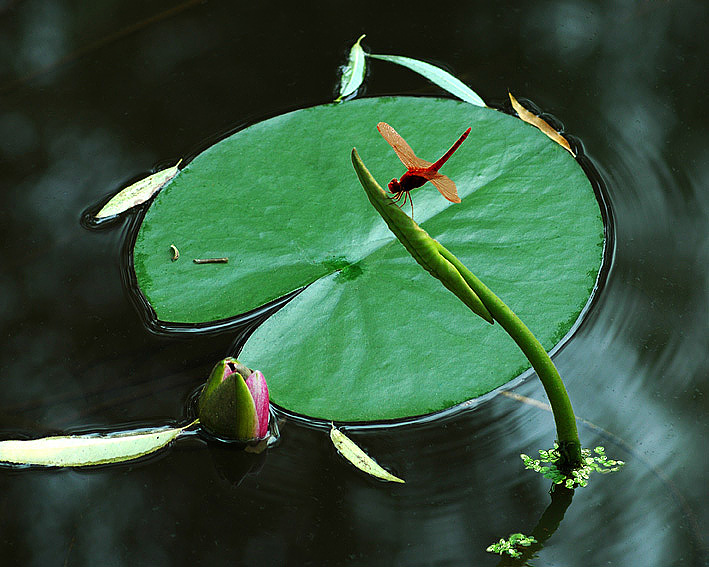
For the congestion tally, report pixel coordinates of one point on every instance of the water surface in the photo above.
(94, 97)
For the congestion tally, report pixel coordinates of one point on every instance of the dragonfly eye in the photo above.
(394, 186)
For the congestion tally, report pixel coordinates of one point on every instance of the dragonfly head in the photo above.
(395, 187)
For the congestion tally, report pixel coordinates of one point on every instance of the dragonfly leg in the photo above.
(397, 197)
(406, 195)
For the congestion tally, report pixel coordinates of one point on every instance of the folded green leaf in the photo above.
(351, 451)
(89, 449)
(437, 76)
(353, 73)
(425, 250)
(138, 192)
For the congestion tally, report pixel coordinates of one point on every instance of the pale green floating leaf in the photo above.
(437, 76)
(350, 451)
(138, 193)
(89, 449)
(353, 72)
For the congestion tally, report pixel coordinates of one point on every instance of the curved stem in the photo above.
(564, 418)
(443, 265)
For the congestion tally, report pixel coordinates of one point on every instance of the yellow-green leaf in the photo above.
(138, 192)
(537, 122)
(353, 72)
(351, 451)
(88, 449)
(437, 76)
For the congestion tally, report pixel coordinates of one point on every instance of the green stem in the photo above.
(564, 418)
(442, 264)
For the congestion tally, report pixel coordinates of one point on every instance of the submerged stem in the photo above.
(443, 265)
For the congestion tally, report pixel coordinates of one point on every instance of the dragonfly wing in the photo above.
(446, 186)
(402, 149)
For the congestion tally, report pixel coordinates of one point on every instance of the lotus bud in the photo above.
(234, 402)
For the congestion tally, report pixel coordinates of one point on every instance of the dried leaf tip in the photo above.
(538, 122)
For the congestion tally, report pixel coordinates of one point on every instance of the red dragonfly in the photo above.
(419, 171)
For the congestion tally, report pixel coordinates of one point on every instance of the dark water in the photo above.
(93, 96)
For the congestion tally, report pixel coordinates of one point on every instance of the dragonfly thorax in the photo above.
(407, 182)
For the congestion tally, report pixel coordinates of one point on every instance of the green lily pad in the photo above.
(374, 336)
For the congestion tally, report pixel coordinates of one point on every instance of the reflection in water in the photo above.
(561, 498)
(626, 78)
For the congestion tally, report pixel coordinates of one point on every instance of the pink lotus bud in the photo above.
(234, 402)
